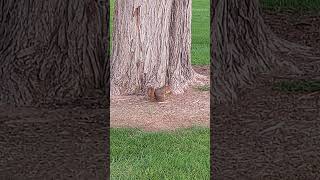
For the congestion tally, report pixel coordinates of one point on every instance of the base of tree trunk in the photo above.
(151, 46)
(196, 79)
(51, 50)
(244, 46)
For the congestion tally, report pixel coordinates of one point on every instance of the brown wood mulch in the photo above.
(269, 134)
(191, 108)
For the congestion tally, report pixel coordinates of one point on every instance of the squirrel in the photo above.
(159, 94)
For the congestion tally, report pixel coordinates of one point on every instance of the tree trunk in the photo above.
(51, 49)
(105, 43)
(241, 47)
(151, 46)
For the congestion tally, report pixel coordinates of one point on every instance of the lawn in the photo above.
(200, 51)
(182, 154)
(291, 4)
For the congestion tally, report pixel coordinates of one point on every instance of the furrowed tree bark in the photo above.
(151, 46)
(105, 36)
(51, 49)
(242, 46)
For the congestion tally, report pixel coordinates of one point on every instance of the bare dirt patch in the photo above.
(180, 111)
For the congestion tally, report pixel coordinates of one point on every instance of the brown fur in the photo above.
(159, 94)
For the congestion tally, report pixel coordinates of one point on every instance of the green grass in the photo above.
(291, 4)
(182, 154)
(203, 88)
(297, 86)
(200, 50)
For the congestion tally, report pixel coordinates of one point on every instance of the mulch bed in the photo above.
(269, 134)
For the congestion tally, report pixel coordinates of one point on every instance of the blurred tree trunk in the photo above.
(151, 46)
(52, 49)
(241, 47)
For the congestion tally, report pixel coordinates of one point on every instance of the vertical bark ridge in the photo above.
(140, 45)
(180, 70)
(49, 50)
